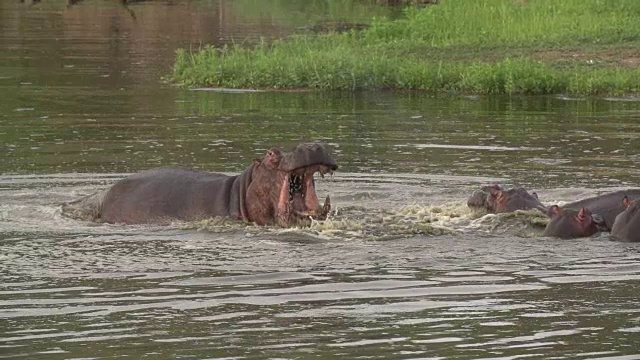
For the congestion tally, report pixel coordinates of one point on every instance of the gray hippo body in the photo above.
(608, 205)
(586, 217)
(627, 224)
(494, 199)
(571, 223)
(278, 188)
(172, 193)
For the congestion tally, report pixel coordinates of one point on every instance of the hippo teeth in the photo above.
(296, 184)
(323, 169)
(327, 205)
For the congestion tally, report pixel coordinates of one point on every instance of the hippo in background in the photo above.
(494, 199)
(627, 224)
(584, 218)
(571, 223)
(608, 205)
(277, 189)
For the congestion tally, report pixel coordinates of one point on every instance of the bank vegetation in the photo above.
(585, 47)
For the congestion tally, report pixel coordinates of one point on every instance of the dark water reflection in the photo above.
(402, 269)
(536, 142)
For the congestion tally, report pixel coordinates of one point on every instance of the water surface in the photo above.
(402, 269)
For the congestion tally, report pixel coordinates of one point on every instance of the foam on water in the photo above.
(429, 273)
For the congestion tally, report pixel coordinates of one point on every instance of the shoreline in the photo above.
(536, 48)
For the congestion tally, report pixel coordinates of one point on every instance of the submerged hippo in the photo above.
(494, 199)
(572, 223)
(276, 189)
(627, 224)
(608, 205)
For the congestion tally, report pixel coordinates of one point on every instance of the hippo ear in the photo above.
(554, 210)
(626, 202)
(495, 191)
(534, 194)
(583, 214)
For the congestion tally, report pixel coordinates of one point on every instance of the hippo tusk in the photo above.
(327, 206)
(320, 213)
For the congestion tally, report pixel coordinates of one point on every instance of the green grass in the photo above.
(479, 46)
(302, 13)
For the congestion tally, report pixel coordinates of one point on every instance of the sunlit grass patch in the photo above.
(484, 46)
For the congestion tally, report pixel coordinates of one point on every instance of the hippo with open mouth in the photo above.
(277, 189)
(494, 199)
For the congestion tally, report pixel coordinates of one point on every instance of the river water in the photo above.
(402, 269)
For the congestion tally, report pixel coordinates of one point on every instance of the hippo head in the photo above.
(627, 224)
(283, 188)
(571, 223)
(478, 198)
(497, 200)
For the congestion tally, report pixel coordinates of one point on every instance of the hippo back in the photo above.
(608, 206)
(627, 224)
(172, 193)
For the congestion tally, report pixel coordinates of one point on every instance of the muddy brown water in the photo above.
(400, 270)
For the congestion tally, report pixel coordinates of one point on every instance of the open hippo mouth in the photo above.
(303, 199)
(301, 165)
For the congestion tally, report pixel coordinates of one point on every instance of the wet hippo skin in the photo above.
(277, 189)
(571, 223)
(627, 224)
(495, 199)
(607, 206)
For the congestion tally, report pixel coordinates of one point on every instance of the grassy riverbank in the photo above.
(480, 46)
